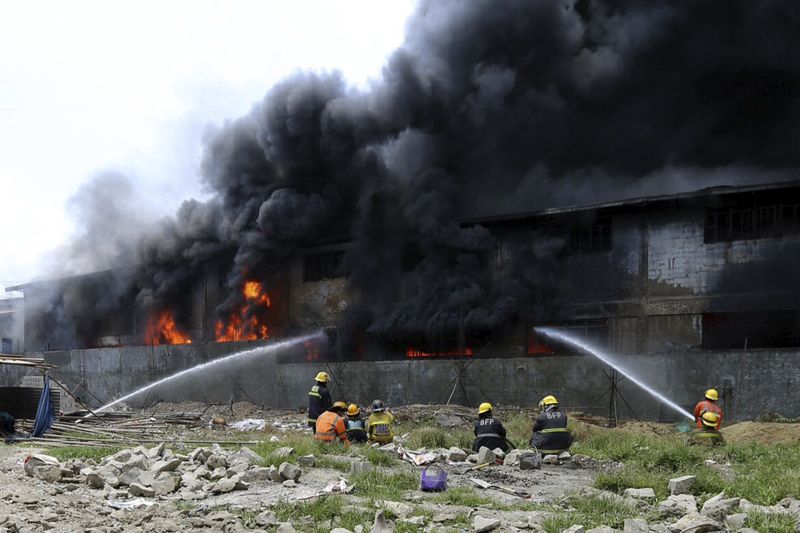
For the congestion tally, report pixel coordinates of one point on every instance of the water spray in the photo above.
(203, 366)
(607, 359)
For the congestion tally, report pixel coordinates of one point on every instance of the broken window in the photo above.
(591, 238)
(753, 222)
(325, 265)
(756, 329)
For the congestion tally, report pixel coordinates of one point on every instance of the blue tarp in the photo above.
(45, 415)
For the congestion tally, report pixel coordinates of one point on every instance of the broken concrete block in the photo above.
(485, 455)
(166, 484)
(456, 455)
(397, 508)
(635, 525)
(267, 519)
(168, 465)
(258, 473)
(550, 459)
(480, 524)
(499, 453)
(283, 452)
(696, 524)
(530, 462)
(679, 505)
(244, 455)
(380, 525)
(215, 461)
(639, 494)
(289, 471)
(563, 456)
(140, 490)
(736, 521)
(48, 473)
(718, 509)
(307, 460)
(681, 485)
(358, 467)
(601, 529)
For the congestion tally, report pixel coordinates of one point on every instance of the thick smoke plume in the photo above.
(488, 107)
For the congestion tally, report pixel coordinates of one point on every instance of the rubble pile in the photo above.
(158, 471)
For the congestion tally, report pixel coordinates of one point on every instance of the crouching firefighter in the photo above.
(319, 399)
(708, 435)
(356, 425)
(331, 426)
(550, 433)
(489, 431)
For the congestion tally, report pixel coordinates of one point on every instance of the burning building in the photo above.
(590, 165)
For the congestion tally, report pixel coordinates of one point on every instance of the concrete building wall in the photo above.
(752, 382)
(12, 326)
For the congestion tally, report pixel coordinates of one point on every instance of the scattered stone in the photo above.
(168, 465)
(456, 455)
(258, 473)
(283, 452)
(530, 462)
(601, 529)
(582, 461)
(563, 456)
(95, 480)
(449, 421)
(639, 494)
(223, 486)
(412, 521)
(137, 489)
(446, 516)
(32, 462)
(358, 467)
(574, 529)
(472, 458)
(216, 461)
(340, 530)
(380, 525)
(155, 452)
(485, 455)
(679, 505)
(285, 527)
(681, 485)
(695, 524)
(635, 525)
(550, 459)
(218, 473)
(289, 471)
(718, 509)
(499, 453)
(389, 448)
(166, 484)
(274, 475)
(289, 483)
(397, 508)
(267, 519)
(751, 530)
(480, 524)
(736, 521)
(244, 455)
(307, 460)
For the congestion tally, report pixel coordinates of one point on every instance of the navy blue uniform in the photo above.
(489, 432)
(550, 433)
(319, 401)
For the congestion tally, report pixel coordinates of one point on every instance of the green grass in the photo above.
(650, 461)
(379, 458)
(302, 444)
(334, 463)
(774, 523)
(322, 509)
(82, 452)
(589, 511)
(437, 437)
(466, 496)
(379, 485)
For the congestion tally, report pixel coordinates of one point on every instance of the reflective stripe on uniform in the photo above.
(551, 452)
(489, 435)
(554, 430)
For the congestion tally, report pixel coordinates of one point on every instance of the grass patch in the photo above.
(774, 523)
(437, 437)
(321, 510)
(302, 444)
(590, 511)
(379, 458)
(82, 452)
(334, 463)
(466, 496)
(382, 486)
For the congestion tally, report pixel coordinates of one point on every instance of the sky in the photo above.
(93, 86)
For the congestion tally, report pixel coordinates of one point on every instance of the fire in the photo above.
(537, 347)
(312, 351)
(414, 353)
(161, 329)
(246, 322)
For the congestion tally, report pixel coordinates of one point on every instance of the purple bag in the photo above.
(433, 481)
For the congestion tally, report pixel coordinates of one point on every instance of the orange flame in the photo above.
(246, 322)
(161, 329)
(312, 351)
(414, 353)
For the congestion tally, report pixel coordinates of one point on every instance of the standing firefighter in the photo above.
(489, 431)
(708, 405)
(319, 399)
(330, 425)
(379, 425)
(355, 424)
(708, 434)
(550, 433)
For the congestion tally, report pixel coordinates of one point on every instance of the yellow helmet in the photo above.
(548, 400)
(340, 405)
(712, 394)
(709, 419)
(322, 376)
(484, 408)
(353, 409)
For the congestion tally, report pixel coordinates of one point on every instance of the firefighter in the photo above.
(330, 425)
(319, 399)
(355, 424)
(709, 404)
(379, 424)
(708, 434)
(489, 431)
(550, 433)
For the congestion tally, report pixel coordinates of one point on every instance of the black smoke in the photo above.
(488, 107)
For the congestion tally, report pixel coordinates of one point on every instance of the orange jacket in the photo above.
(330, 427)
(707, 405)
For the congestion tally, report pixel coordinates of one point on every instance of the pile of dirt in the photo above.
(762, 433)
(648, 428)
